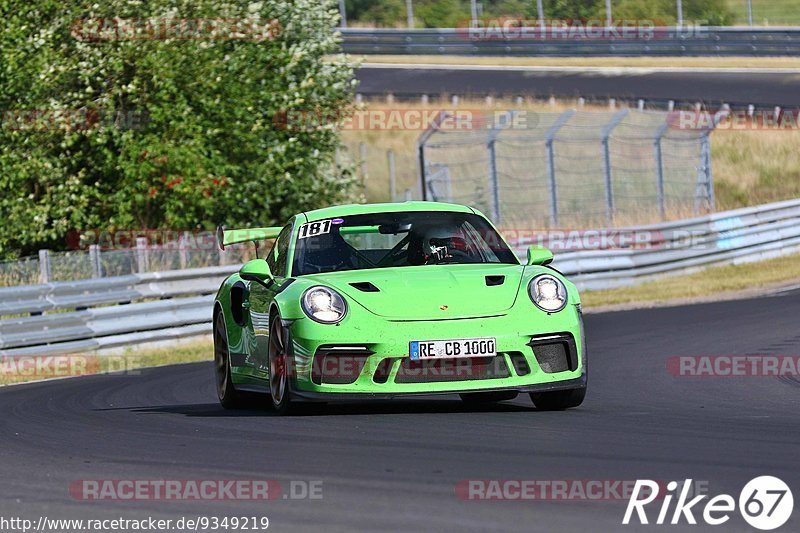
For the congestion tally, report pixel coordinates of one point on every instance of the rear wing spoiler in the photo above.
(226, 237)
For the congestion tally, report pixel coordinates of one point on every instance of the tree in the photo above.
(119, 115)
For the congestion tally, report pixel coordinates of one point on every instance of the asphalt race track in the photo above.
(394, 466)
(765, 88)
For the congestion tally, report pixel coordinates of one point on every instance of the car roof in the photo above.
(395, 207)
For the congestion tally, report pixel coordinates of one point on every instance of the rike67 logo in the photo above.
(765, 503)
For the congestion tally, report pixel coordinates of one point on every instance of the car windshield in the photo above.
(380, 240)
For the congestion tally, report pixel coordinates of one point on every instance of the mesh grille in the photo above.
(551, 357)
(337, 368)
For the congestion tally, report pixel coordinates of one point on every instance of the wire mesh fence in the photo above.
(24, 271)
(192, 250)
(579, 169)
(385, 175)
(449, 13)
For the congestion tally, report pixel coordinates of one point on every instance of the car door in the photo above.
(261, 297)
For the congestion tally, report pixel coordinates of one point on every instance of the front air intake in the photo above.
(555, 353)
(338, 365)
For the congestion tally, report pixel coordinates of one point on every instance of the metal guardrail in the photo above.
(70, 317)
(737, 236)
(67, 317)
(667, 41)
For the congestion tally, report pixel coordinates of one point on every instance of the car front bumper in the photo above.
(369, 356)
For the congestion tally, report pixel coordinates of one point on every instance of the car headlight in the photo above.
(548, 293)
(324, 305)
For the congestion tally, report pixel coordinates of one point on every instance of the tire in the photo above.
(558, 400)
(279, 359)
(482, 398)
(228, 396)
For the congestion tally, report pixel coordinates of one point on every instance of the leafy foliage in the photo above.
(200, 146)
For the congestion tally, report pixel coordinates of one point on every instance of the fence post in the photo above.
(660, 170)
(423, 179)
(712, 201)
(494, 181)
(183, 242)
(704, 191)
(421, 141)
(552, 186)
(141, 255)
(44, 266)
(494, 191)
(540, 16)
(607, 129)
(342, 14)
(94, 259)
(392, 177)
(705, 179)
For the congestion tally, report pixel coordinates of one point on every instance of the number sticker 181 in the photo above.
(312, 229)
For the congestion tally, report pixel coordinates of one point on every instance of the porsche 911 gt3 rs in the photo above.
(393, 300)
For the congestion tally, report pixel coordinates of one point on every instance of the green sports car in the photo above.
(394, 300)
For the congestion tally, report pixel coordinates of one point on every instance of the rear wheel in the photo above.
(478, 398)
(558, 400)
(227, 394)
(279, 366)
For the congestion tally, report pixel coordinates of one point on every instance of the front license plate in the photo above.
(450, 349)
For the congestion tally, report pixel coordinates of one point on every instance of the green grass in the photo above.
(755, 167)
(767, 12)
(715, 281)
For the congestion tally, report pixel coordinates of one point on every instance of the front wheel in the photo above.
(558, 400)
(279, 366)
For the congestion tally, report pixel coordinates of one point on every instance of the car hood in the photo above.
(433, 292)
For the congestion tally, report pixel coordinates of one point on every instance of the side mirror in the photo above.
(256, 270)
(539, 255)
